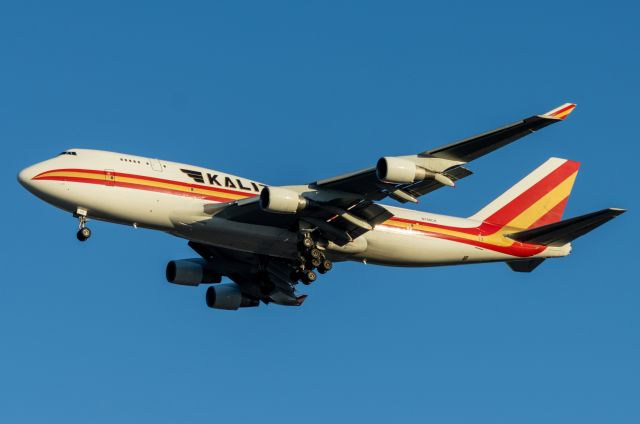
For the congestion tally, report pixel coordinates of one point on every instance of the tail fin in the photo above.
(538, 199)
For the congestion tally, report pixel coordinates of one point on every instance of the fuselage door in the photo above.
(155, 165)
(109, 177)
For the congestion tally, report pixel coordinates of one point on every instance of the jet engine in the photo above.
(228, 296)
(190, 272)
(281, 200)
(401, 171)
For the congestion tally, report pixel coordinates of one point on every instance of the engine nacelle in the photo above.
(281, 200)
(228, 296)
(190, 272)
(399, 171)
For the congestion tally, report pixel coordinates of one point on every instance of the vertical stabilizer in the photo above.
(538, 199)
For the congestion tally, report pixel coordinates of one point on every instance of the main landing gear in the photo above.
(310, 258)
(83, 231)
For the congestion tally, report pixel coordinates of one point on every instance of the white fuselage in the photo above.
(170, 197)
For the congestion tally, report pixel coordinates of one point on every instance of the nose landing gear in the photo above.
(83, 231)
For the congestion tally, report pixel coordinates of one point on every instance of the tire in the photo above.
(315, 262)
(310, 276)
(307, 242)
(83, 234)
(315, 253)
(325, 266)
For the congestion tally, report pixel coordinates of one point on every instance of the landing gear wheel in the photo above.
(315, 262)
(325, 266)
(83, 233)
(315, 253)
(307, 242)
(309, 277)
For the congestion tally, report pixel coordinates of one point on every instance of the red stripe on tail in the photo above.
(526, 199)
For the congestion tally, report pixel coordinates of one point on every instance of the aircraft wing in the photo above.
(342, 208)
(340, 220)
(444, 161)
(474, 147)
(367, 184)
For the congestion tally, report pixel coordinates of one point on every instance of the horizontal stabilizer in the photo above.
(563, 232)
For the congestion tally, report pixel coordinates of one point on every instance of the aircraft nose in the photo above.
(25, 177)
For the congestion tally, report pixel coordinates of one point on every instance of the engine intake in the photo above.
(281, 200)
(190, 272)
(399, 171)
(229, 297)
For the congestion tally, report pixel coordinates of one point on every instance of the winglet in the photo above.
(560, 112)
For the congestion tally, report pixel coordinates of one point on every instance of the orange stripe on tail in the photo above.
(538, 199)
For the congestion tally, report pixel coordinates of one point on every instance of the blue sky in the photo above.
(289, 92)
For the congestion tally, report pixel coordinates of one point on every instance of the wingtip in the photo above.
(561, 112)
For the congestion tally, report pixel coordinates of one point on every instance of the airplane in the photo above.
(266, 239)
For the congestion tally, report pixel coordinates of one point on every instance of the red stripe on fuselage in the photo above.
(516, 249)
(140, 187)
(144, 177)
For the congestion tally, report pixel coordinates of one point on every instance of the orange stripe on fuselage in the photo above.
(471, 236)
(486, 235)
(142, 182)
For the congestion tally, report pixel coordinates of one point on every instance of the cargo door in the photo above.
(155, 165)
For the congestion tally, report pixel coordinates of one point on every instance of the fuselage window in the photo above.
(131, 161)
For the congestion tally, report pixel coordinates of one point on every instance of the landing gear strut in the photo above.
(83, 231)
(310, 258)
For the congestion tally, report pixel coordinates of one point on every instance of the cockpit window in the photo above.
(68, 153)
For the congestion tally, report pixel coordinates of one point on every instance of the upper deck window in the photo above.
(68, 153)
